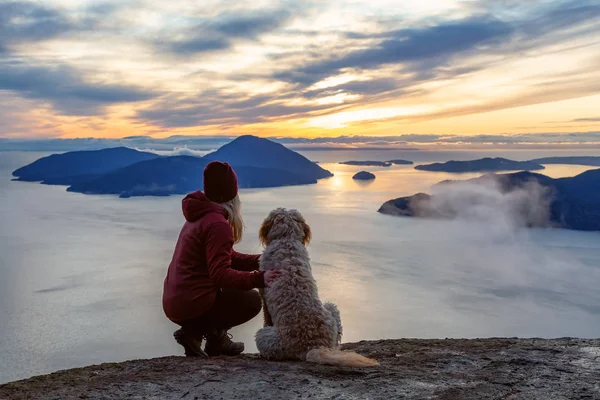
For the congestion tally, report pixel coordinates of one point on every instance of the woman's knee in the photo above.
(254, 302)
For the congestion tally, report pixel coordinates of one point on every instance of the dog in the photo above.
(297, 325)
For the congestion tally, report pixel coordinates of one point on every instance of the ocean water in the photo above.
(81, 276)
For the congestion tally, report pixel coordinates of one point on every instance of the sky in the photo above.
(427, 70)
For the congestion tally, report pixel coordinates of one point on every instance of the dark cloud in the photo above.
(196, 45)
(25, 21)
(219, 33)
(28, 22)
(435, 44)
(65, 88)
(249, 25)
(428, 51)
(565, 15)
(214, 112)
(586, 120)
(368, 87)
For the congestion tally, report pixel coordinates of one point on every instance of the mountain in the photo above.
(259, 163)
(481, 165)
(576, 160)
(574, 202)
(158, 177)
(179, 175)
(363, 176)
(79, 166)
(507, 182)
(263, 153)
(368, 163)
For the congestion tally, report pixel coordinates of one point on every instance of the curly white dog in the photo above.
(297, 325)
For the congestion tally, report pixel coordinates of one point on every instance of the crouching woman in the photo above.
(208, 287)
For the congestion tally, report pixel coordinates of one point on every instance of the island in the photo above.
(259, 163)
(572, 203)
(367, 163)
(571, 160)
(363, 176)
(400, 162)
(80, 166)
(481, 165)
(457, 369)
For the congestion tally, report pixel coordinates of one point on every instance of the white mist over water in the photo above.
(527, 205)
(81, 276)
(179, 151)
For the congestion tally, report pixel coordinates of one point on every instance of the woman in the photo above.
(208, 288)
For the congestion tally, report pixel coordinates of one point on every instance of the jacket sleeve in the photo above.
(244, 262)
(219, 249)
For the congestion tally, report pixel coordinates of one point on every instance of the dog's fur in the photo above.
(297, 325)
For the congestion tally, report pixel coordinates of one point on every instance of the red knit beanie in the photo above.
(220, 182)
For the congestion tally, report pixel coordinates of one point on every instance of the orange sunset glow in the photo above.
(300, 69)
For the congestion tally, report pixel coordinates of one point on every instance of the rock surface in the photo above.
(451, 369)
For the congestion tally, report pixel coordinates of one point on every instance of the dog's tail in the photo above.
(339, 357)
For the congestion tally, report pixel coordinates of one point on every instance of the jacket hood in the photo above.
(196, 205)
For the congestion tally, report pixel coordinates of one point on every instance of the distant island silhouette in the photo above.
(570, 160)
(368, 163)
(481, 165)
(80, 166)
(258, 162)
(400, 162)
(363, 176)
(377, 163)
(574, 202)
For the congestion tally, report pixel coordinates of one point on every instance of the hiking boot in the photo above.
(192, 345)
(219, 342)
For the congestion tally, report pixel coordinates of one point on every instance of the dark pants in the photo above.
(231, 308)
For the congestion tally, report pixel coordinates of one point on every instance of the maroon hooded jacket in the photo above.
(204, 261)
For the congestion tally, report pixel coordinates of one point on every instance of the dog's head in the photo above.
(282, 223)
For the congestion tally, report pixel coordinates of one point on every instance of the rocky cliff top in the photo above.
(410, 369)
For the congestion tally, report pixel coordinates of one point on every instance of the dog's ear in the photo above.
(263, 233)
(307, 233)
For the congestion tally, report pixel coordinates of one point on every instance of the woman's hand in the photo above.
(271, 276)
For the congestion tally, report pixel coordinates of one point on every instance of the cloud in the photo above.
(30, 22)
(416, 139)
(181, 145)
(179, 151)
(197, 45)
(564, 16)
(219, 33)
(597, 119)
(249, 25)
(423, 50)
(199, 145)
(57, 53)
(27, 21)
(225, 107)
(65, 88)
(373, 87)
(487, 202)
(434, 44)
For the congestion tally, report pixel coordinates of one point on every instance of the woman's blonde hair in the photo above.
(234, 217)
